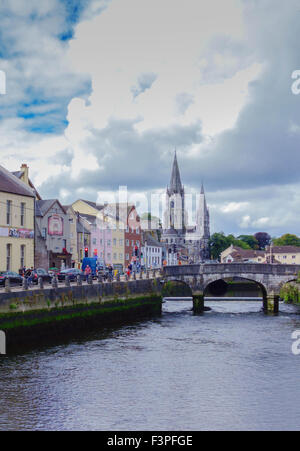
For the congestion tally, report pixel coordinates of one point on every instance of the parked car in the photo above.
(15, 279)
(40, 272)
(72, 273)
(53, 271)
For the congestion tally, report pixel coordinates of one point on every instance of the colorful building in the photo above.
(52, 243)
(17, 201)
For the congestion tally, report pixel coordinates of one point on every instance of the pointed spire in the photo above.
(175, 184)
(202, 188)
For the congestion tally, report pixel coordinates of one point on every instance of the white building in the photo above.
(152, 251)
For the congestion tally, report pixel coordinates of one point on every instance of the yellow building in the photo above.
(288, 255)
(17, 201)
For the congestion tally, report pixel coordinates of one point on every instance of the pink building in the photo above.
(101, 238)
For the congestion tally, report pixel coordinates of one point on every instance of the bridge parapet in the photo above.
(232, 268)
(269, 277)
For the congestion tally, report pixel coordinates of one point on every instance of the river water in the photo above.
(231, 369)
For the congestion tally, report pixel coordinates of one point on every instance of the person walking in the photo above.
(110, 273)
(87, 271)
(29, 276)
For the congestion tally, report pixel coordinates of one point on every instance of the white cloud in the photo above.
(234, 206)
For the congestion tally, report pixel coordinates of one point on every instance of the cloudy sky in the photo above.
(100, 92)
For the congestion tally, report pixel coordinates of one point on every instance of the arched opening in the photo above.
(235, 288)
(176, 289)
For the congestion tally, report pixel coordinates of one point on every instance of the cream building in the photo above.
(289, 255)
(17, 207)
(107, 231)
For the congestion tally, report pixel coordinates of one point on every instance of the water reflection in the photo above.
(231, 369)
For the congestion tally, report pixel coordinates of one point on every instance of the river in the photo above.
(231, 369)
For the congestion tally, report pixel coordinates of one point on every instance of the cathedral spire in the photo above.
(175, 184)
(202, 188)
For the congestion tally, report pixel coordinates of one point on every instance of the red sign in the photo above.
(55, 225)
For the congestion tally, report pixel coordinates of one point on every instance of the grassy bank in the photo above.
(290, 293)
(36, 325)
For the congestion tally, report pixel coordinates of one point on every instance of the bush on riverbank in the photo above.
(290, 293)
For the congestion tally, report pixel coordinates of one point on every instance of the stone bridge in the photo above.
(269, 277)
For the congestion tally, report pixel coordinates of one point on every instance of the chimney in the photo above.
(25, 170)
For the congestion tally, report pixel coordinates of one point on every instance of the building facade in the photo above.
(52, 243)
(289, 255)
(189, 244)
(17, 205)
(152, 252)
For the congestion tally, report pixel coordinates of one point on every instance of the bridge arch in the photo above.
(176, 288)
(217, 277)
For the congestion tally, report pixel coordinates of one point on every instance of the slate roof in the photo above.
(93, 204)
(11, 184)
(43, 206)
(283, 249)
(19, 175)
(239, 252)
(81, 229)
(152, 241)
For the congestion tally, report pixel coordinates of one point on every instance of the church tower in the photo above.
(203, 228)
(175, 214)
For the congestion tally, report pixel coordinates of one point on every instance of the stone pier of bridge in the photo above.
(269, 277)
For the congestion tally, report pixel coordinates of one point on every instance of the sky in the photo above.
(99, 93)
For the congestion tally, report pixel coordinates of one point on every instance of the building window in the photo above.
(127, 256)
(115, 257)
(121, 242)
(127, 242)
(108, 242)
(121, 256)
(8, 257)
(22, 256)
(115, 242)
(23, 208)
(8, 212)
(137, 230)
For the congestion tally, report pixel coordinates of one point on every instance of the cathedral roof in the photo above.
(175, 184)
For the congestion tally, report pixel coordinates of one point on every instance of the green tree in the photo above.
(263, 239)
(287, 240)
(218, 243)
(250, 240)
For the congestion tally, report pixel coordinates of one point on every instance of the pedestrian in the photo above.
(87, 271)
(29, 276)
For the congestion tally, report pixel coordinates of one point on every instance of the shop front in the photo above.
(60, 261)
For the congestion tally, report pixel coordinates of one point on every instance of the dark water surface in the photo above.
(230, 369)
